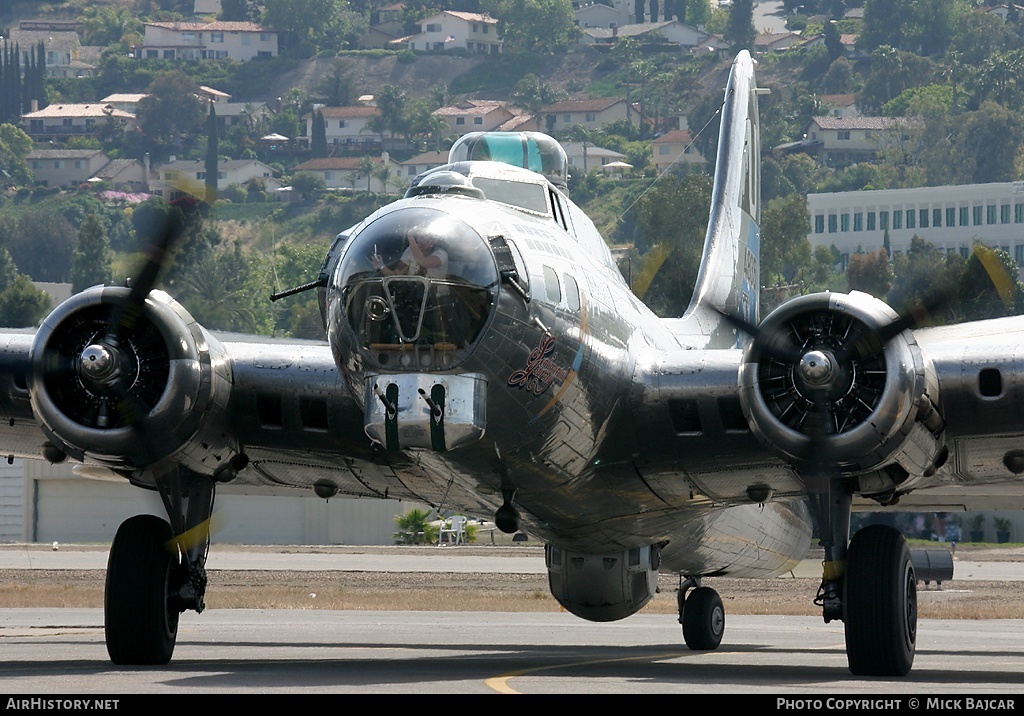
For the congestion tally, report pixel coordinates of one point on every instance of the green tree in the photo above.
(226, 290)
(833, 43)
(338, 87)
(925, 271)
(90, 261)
(105, 25)
(170, 112)
(318, 140)
(14, 148)
(987, 145)
(740, 32)
(989, 287)
(22, 304)
(534, 94)
(922, 26)
(414, 528)
(785, 249)
(871, 273)
(391, 104)
(212, 166)
(698, 12)
(671, 220)
(304, 24)
(43, 244)
(238, 10)
(543, 25)
(309, 185)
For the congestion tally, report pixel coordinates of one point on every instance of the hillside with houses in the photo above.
(294, 118)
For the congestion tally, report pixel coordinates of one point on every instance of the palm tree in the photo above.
(414, 528)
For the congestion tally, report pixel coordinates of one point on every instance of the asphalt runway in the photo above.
(47, 651)
(61, 651)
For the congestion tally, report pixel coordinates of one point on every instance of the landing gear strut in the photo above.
(701, 614)
(156, 571)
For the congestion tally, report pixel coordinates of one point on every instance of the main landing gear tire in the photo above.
(880, 604)
(703, 619)
(141, 621)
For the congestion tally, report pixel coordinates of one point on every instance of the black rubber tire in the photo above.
(703, 619)
(880, 603)
(141, 626)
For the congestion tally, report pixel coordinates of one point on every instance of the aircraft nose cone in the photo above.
(816, 368)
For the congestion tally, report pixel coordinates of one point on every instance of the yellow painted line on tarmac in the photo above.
(501, 685)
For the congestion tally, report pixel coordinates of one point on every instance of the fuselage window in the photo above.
(551, 287)
(572, 293)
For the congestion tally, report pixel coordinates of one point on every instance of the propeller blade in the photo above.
(126, 313)
(868, 342)
(778, 345)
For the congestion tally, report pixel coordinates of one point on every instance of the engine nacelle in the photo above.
(152, 389)
(826, 382)
(603, 587)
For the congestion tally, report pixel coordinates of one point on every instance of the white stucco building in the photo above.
(951, 217)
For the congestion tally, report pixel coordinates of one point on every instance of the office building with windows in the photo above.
(951, 217)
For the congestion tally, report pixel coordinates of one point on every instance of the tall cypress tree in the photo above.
(3, 82)
(28, 84)
(40, 89)
(318, 142)
(211, 156)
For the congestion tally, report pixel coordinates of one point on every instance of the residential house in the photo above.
(448, 30)
(377, 39)
(1003, 11)
(590, 113)
(849, 43)
(178, 178)
(411, 168)
(216, 40)
(129, 101)
(348, 128)
(61, 121)
(65, 167)
(586, 156)
(72, 167)
(124, 101)
(229, 114)
(348, 173)
(388, 18)
(128, 175)
(475, 115)
(779, 41)
(839, 105)
(667, 31)
(594, 14)
(848, 140)
(62, 49)
(210, 94)
(673, 149)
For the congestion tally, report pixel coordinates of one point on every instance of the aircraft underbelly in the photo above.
(745, 541)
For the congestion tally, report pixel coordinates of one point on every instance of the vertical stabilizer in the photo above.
(729, 277)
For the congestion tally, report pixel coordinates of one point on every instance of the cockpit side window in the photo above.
(525, 195)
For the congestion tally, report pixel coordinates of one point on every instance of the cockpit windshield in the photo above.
(417, 286)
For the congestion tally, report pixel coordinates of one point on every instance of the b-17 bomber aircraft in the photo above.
(484, 355)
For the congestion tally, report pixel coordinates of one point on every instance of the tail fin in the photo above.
(728, 280)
